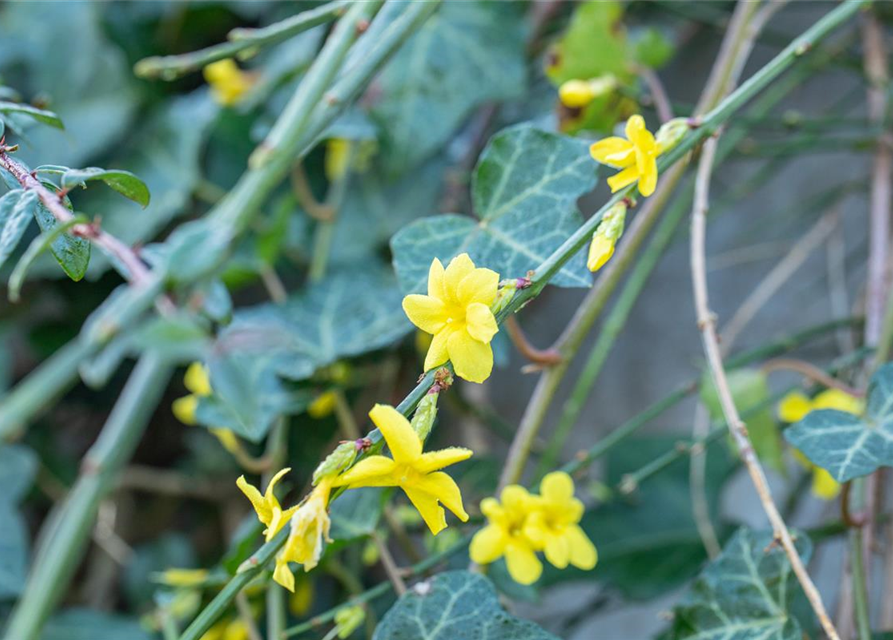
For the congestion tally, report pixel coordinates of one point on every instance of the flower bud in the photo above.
(348, 620)
(424, 416)
(670, 133)
(600, 251)
(504, 295)
(576, 94)
(337, 461)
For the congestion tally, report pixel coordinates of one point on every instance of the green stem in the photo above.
(66, 532)
(241, 40)
(857, 561)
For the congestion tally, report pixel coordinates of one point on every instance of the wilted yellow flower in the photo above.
(457, 313)
(228, 82)
(505, 535)
(636, 156)
(600, 251)
(181, 577)
(795, 406)
(417, 473)
(310, 528)
(554, 524)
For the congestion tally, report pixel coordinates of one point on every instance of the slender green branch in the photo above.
(242, 41)
(66, 532)
(857, 553)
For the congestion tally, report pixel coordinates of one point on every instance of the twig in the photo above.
(810, 371)
(390, 567)
(658, 93)
(707, 326)
(169, 482)
(542, 357)
(697, 473)
(273, 284)
(304, 194)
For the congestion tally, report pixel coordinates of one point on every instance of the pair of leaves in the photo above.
(124, 182)
(849, 446)
(454, 604)
(442, 73)
(18, 466)
(745, 593)
(524, 190)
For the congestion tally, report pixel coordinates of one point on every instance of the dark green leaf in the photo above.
(849, 446)
(72, 254)
(744, 593)
(451, 605)
(41, 115)
(525, 189)
(40, 244)
(17, 208)
(466, 54)
(123, 182)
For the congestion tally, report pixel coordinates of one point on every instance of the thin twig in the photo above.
(707, 325)
(541, 357)
(300, 186)
(658, 93)
(810, 371)
(390, 566)
(697, 484)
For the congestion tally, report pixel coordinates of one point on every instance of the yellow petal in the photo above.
(226, 438)
(425, 312)
(438, 352)
(435, 280)
(444, 488)
(283, 575)
(557, 486)
(613, 151)
(478, 286)
(403, 441)
(557, 551)
(197, 379)
(480, 322)
(522, 563)
(515, 498)
(648, 175)
(837, 399)
(576, 94)
(625, 178)
(824, 485)
(600, 251)
(635, 129)
(184, 409)
(432, 513)
(264, 512)
(488, 544)
(491, 508)
(269, 496)
(794, 407)
(374, 471)
(459, 267)
(472, 360)
(436, 460)
(583, 553)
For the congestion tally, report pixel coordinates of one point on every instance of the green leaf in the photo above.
(744, 593)
(594, 44)
(41, 115)
(72, 254)
(40, 244)
(524, 190)
(750, 389)
(123, 182)
(86, 624)
(356, 513)
(18, 465)
(466, 54)
(652, 48)
(17, 208)
(849, 446)
(451, 605)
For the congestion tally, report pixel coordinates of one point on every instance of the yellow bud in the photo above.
(181, 577)
(337, 161)
(322, 406)
(197, 379)
(184, 409)
(228, 82)
(576, 94)
(348, 619)
(670, 134)
(600, 251)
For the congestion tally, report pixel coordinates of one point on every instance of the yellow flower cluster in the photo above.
(522, 524)
(417, 473)
(198, 383)
(795, 406)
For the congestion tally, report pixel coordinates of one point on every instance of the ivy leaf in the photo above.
(744, 593)
(17, 468)
(17, 208)
(123, 182)
(41, 115)
(524, 191)
(442, 73)
(455, 604)
(849, 446)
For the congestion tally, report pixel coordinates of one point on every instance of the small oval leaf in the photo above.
(123, 182)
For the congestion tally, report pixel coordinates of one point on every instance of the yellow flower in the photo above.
(554, 525)
(228, 82)
(600, 251)
(233, 629)
(795, 406)
(636, 156)
(322, 405)
(181, 577)
(457, 313)
(198, 382)
(505, 535)
(417, 473)
(268, 509)
(309, 527)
